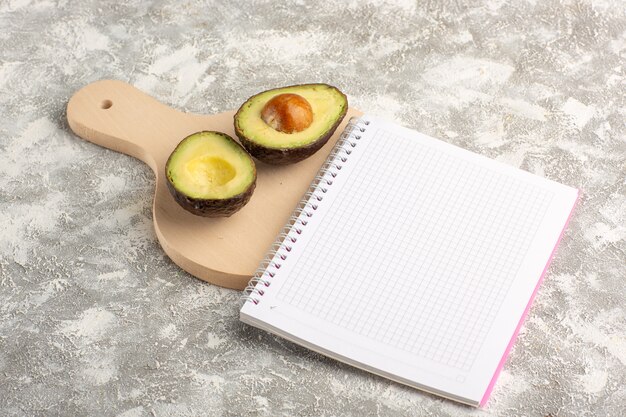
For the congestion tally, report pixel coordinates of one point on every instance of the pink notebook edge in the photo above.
(491, 385)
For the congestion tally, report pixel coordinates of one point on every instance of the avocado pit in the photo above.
(288, 113)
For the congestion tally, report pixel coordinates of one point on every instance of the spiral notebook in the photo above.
(412, 259)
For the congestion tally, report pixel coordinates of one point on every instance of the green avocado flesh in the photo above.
(210, 174)
(329, 107)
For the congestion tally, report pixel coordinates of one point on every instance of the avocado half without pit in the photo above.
(210, 174)
(286, 125)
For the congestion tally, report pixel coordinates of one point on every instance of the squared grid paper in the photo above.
(418, 251)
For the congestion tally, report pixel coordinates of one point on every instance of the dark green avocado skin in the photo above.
(284, 156)
(212, 208)
(225, 207)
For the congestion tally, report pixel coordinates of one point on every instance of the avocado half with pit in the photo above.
(286, 125)
(210, 174)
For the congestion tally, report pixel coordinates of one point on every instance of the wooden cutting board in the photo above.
(222, 251)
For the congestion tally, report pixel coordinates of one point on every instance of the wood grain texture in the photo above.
(222, 251)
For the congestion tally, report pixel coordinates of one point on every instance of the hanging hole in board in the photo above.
(106, 104)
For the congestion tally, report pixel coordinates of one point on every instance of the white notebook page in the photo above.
(418, 263)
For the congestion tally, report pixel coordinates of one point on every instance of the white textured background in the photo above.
(94, 318)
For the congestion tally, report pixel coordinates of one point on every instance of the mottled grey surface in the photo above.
(94, 318)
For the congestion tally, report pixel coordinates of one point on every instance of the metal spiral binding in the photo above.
(285, 240)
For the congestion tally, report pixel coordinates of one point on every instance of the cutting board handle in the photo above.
(118, 116)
